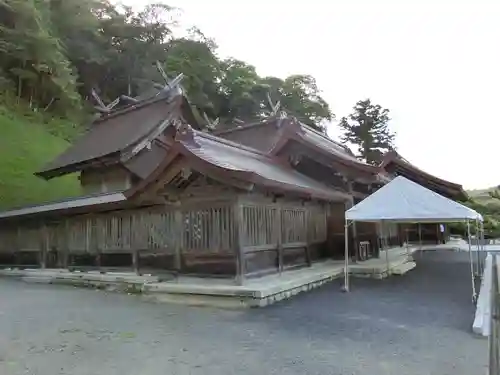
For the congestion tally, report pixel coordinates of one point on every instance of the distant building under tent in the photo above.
(395, 165)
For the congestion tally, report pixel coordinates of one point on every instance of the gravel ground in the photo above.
(419, 323)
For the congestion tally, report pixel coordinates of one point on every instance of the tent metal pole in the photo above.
(382, 229)
(407, 246)
(483, 258)
(420, 240)
(478, 252)
(474, 297)
(346, 256)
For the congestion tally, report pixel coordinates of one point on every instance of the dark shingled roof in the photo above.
(112, 133)
(392, 161)
(271, 134)
(146, 161)
(253, 165)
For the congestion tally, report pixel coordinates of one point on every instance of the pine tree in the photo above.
(367, 128)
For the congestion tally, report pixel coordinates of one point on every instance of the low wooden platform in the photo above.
(224, 293)
(400, 262)
(193, 290)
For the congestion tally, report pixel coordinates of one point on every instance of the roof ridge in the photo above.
(266, 121)
(326, 136)
(227, 142)
(136, 106)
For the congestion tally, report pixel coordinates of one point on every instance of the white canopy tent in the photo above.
(404, 201)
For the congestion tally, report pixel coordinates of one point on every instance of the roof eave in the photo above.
(394, 157)
(104, 161)
(66, 206)
(455, 190)
(290, 131)
(308, 193)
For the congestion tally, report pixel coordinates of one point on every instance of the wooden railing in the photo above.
(275, 237)
(208, 235)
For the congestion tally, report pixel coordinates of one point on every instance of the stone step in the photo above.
(403, 268)
(37, 279)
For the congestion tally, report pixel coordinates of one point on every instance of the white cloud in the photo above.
(434, 64)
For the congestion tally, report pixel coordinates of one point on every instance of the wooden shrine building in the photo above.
(162, 195)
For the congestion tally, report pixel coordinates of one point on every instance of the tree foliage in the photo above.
(491, 217)
(367, 128)
(54, 52)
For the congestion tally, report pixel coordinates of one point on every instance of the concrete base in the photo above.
(257, 292)
(403, 268)
(224, 293)
(400, 261)
(193, 290)
(115, 281)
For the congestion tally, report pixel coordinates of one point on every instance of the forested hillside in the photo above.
(486, 196)
(53, 53)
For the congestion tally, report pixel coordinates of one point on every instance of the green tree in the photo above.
(367, 128)
(54, 52)
(33, 57)
(495, 194)
(197, 60)
(239, 91)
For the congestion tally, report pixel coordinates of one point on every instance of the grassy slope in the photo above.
(483, 196)
(25, 145)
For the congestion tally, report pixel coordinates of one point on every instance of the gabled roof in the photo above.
(293, 130)
(261, 135)
(402, 200)
(147, 160)
(235, 161)
(273, 134)
(242, 133)
(75, 205)
(115, 132)
(393, 162)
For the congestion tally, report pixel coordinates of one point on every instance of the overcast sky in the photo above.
(434, 64)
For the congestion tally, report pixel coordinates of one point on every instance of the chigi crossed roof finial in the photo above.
(186, 134)
(276, 108)
(171, 87)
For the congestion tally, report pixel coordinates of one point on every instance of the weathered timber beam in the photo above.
(238, 243)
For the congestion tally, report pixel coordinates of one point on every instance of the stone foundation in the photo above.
(257, 292)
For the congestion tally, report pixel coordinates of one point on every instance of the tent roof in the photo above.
(402, 200)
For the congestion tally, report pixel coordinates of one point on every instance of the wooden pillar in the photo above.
(308, 239)
(279, 237)
(330, 230)
(65, 247)
(44, 248)
(308, 255)
(135, 261)
(355, 251)
(353, 225)
(179, 241)
(239, 251)
(17, 254)
(98, 259)
(136, 242)
(93, 228)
